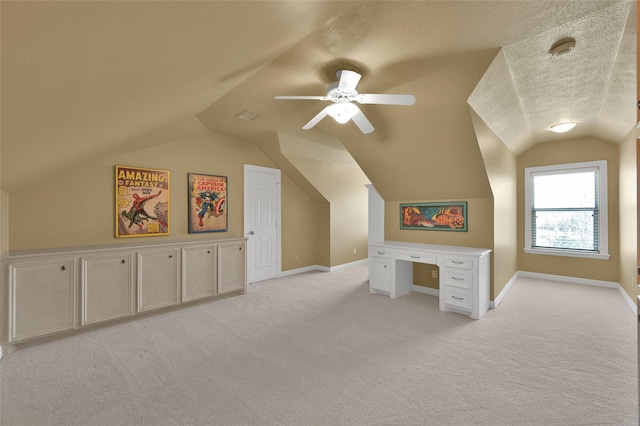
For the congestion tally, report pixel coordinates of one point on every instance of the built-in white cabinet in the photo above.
(199, 272)
(41, 298)
(232, 276)
(464, 273)
(107, 287)
(158, 283)
(380, 271)
(50, 292)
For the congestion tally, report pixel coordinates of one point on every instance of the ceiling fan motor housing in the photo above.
(336, 95)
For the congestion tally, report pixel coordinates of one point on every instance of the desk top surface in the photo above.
(469, 251)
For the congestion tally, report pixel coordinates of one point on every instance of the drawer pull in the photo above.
(415, 257)
(170, 256)
(380, 252)
(458, 298)
(457, 262)
(457, 278)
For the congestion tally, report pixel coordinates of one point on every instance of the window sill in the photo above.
(568, 253)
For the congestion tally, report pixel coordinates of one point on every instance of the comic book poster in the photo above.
(142, 202)
(207, 203)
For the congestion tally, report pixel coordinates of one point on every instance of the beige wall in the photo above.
(339, 179)
(301, 214)
(4, 222)
(500, 164)
(628, 215)
(77, 208)
(573, 151)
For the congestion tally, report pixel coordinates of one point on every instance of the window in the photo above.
(566, 210)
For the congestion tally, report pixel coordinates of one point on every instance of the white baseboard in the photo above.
(321, 268)
(426, 290)
(498, 299)
(583, 281)
(346, 265)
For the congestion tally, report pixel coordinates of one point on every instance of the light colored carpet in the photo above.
(318, 349)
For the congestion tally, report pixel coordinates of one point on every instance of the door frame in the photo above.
(249, 168)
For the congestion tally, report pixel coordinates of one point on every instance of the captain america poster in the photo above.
(207, 203)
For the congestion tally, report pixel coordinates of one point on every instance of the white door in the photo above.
(262, 222)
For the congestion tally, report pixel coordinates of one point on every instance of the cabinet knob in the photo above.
(63, 268)
(209, 251)
(122, 261)
(240, 248)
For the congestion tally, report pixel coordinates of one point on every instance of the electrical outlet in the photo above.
(434, 274)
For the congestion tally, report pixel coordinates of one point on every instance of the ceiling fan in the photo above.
(342, 93)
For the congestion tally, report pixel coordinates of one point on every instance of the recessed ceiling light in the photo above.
(563, 127)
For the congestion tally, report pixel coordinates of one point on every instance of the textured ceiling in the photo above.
(81, 80)
(528, 86)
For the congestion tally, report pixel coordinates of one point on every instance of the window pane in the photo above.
(568, 190)
(569, 230)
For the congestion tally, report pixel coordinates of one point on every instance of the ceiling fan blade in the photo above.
(362, 122)
(316, 98)
(315, 120)
(348, 80)
(388, 99)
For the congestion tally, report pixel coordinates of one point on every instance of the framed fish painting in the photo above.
(449, 216)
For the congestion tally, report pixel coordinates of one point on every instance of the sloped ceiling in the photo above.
(81, 80)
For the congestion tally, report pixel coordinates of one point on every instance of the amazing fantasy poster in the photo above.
(207, 203)
(142, 202)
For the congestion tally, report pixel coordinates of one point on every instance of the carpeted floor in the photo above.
(318, 349)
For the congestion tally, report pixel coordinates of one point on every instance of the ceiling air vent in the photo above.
(248, 115)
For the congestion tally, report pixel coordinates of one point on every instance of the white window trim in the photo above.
(603, 226)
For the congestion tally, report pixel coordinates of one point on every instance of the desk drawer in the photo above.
(457, 262)
(416, 257)
(379, 252)
(458, 298)
(457, 278)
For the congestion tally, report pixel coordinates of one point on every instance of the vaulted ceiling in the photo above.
(81, 80)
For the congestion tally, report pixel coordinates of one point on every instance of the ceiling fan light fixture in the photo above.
(563, 127)
(342, 111)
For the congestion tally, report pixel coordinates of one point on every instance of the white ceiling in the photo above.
(81, 80)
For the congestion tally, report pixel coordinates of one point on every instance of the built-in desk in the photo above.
(464, 273)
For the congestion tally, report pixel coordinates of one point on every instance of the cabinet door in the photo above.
(107, 288)
(157, 279)
(379, 275)
(198, 272)
(42, 299)
(232, 267)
